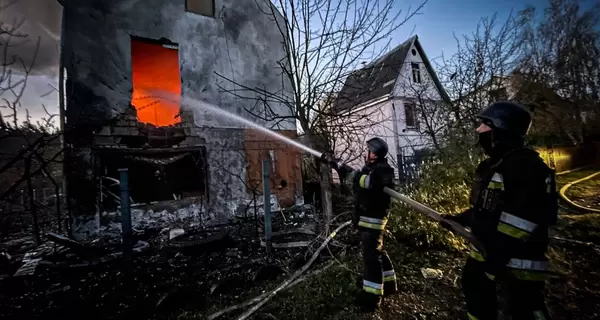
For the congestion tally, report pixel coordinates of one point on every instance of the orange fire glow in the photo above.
(153, 68)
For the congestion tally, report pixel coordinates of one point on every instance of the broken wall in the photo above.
(239, 44)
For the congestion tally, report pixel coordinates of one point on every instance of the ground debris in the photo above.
(429, 273)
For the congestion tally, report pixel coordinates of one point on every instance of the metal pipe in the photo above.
(267, 204)
(125, 217)
(456, 228)
(62, 115)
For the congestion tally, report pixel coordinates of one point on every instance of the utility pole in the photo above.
(267, 204)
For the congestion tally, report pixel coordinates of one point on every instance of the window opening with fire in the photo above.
(155, 69)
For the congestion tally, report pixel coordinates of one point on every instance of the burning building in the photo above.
(117, 53)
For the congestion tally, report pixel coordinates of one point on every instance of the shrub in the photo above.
(444, 186)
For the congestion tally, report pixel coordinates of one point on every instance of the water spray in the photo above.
(187, 102)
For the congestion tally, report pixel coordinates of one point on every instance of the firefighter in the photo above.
(513, 203)
(370, 217)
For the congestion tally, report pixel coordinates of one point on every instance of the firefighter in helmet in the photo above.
(513, 203)
(370, 217)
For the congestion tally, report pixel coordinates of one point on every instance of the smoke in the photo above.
(41, 21)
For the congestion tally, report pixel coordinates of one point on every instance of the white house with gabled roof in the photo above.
(396, 98)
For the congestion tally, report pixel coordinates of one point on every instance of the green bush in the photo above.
(443, 186)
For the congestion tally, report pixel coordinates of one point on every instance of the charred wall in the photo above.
(240, 44)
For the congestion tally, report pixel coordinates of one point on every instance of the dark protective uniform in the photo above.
(370, 216)
(513, 203)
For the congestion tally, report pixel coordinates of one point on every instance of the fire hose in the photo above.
(455, 227)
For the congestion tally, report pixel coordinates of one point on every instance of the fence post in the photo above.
(125, 217)
(401, 171)
(267, 204)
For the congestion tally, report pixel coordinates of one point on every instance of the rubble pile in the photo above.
(179, 262)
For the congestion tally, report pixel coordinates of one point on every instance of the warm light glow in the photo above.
(153, 68)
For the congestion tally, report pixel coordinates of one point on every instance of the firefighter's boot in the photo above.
(368, 302)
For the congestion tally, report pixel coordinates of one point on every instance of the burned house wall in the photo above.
(239, 44)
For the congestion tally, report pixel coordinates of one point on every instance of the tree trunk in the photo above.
(324, 172)
(326, 195)
(32, 204)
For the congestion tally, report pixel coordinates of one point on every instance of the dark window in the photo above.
(410, 114)
(414, 52)
(416, 72)
(153, 176)
(498, 94)
(203, 7)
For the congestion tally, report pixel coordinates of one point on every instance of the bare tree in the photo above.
(562, 64)
(30, 151)
(476, 74)
(324, 41)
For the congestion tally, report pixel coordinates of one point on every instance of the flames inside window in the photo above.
(155, 69)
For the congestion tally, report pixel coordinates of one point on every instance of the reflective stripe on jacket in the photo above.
(513, 204)
(371, 203)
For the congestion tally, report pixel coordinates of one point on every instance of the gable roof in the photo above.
(367, 83)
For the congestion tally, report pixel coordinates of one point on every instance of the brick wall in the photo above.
(259, 147)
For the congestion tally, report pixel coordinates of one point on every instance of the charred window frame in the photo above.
(169, 176)
(416, 72)
(202, 7)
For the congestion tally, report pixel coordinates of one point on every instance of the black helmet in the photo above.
(378, 147)
(510, 117)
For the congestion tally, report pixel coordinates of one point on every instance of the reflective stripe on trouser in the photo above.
(525, 298)
(528, 270)
(390, 285)
(372, 243)
(372, 223)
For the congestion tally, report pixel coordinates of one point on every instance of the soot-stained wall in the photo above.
(241, 43)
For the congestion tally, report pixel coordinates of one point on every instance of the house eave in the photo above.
(367, 104)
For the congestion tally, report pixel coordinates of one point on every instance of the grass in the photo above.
(586, 193)
(571, 294)
(331, 295)
(563, 179)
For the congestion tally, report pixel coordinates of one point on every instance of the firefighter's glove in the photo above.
(445, 224)
(343, 170)
(449, 217)
(327, 158)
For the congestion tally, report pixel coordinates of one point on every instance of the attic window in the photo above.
(414, 52)
(202, 7)
(416, 72)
